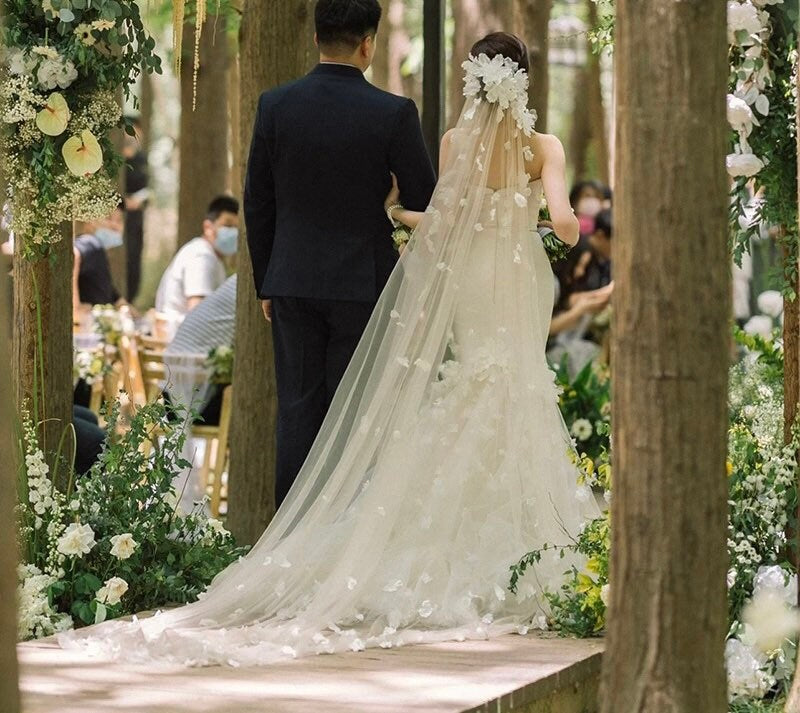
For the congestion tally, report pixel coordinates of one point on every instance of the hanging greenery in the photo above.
(65, 62)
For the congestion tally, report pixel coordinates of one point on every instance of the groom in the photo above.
(321, 159)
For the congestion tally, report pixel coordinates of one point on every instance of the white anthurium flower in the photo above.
(53, 119)
(77, 540)
(743, 164)
(762, 104)
(770, 302)
(83, 154)
(740, 115)
(112, 591)
(123, 546)
(743, 16)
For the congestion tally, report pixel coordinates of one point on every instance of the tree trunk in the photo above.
(473, 19)
(9, 691)
(48, 400)
(533, 19)
(668, 607)
(581, 131)
(393, 48)
(793, 702)
(275, 47)
(594, 107)
(234, 119)
(204, 161)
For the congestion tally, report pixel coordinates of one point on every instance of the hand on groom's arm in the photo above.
(409, 160)
(259, 200)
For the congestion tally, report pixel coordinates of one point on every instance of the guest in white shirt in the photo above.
(198, 269)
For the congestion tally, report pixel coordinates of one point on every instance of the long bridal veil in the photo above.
(443, 457)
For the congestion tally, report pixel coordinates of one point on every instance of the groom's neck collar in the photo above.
(338, 69)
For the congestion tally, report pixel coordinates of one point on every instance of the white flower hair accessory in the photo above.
(499, 80)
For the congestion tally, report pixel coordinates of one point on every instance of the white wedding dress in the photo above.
(443, 460)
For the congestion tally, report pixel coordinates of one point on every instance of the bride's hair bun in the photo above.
(504, 44)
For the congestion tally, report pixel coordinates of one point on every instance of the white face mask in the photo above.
(227, 240)
(109, 238)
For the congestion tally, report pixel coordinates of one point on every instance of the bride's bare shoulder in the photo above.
(545, 143)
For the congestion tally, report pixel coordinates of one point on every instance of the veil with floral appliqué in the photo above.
(304, 571)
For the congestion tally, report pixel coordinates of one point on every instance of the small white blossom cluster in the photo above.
(499, 81)
(35, 617)
(88, 365)
(760, 653)
(749, 31)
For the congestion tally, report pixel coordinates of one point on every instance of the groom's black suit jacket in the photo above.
(318, 174)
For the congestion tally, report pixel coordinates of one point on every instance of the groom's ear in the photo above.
(316, 39)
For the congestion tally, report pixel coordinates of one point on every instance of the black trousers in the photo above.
(314, 341)
(134, 243)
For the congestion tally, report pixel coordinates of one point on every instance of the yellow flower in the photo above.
(729, 467)
(593, 565)
(53, 119)
(84, 33)
(83, 154)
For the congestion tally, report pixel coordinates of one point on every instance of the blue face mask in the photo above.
(109, 238)
(227, 240)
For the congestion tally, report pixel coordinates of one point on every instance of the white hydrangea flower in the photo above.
(76, 541)
(759, 324)
(745, 674)
(743, 16)
(112, 591)
(123, 546)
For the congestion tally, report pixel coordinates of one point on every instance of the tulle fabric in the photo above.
(443, 458)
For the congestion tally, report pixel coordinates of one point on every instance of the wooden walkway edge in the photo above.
(519, 674)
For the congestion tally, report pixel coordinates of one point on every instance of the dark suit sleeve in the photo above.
(259, 200)
(409, 160)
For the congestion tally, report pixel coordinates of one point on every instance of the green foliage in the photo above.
(220, 362)
(128, 493)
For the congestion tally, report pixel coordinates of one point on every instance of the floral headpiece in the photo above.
(499, 81)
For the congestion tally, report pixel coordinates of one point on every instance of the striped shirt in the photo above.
(210, 324)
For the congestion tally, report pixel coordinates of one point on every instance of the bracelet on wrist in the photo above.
(390, 210)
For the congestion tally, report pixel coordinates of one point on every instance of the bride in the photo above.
(444, 457)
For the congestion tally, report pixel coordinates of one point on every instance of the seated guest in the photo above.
(597, 272)
(89, 439)
(91, 274)
(208, 326)
(198, 269)
(586, 199)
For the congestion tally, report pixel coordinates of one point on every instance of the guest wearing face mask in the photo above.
(586, 199)
(92, 283)
(198, 269)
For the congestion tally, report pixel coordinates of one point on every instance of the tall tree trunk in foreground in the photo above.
(668, 607)
(203, 139)
(9, 689)
(793, 704)
(48, 399)
(275, 47)
(533, 20)
(473, 19)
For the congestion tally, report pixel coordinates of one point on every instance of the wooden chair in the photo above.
(215, 458)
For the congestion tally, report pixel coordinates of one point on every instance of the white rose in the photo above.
(582, 429)
(77, 540)
(123, 546)
(770, 303)
(740, 115)
(216, 526)
(112, 591)
(743, 164)
(743, 16)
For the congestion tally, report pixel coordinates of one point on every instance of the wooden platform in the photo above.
(528, 674)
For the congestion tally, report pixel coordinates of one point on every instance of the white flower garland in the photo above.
(749, 31)
(499, 81)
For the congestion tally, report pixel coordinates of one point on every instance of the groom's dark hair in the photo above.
(342, 24)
